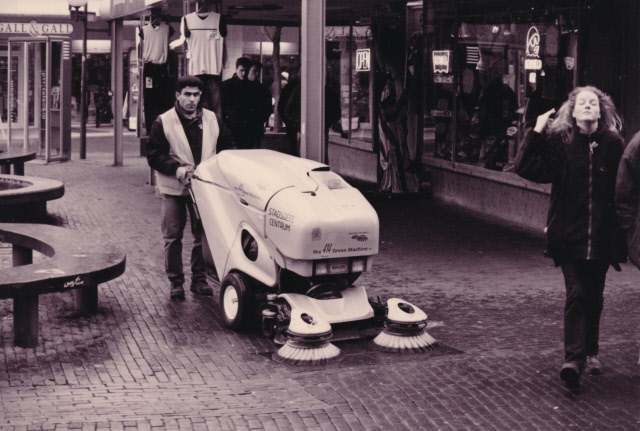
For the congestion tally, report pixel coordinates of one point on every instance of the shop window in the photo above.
(500, 76)
(349, 86)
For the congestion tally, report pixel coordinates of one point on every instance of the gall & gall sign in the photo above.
(36, 29)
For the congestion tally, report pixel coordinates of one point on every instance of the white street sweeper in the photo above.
(288, 238)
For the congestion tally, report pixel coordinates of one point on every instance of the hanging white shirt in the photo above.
(156, 42)
(205, 44)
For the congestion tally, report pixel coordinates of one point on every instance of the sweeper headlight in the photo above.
(321, 267)
(358, 264)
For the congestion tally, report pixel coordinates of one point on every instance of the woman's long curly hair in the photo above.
(564, 123)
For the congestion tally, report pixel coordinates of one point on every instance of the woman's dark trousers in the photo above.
(584, 282)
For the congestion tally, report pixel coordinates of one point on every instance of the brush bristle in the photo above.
(292, 355)
(400, 344)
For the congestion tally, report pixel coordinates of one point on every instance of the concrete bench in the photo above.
(24, 199)
(74, 263)
(15, 159)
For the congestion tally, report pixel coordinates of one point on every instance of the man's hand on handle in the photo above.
(184, 174)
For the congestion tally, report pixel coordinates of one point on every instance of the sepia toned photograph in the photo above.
(324, 215)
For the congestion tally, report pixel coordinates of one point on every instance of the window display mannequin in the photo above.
(204, 31)
(155, 47)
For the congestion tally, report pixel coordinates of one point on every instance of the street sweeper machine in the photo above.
(288, 238)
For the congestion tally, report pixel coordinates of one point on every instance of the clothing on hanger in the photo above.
(155, 42)
(205, 42)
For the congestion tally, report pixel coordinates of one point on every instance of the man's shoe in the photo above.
(177, 292)
(593, 365)
(201, 288)
(570, 374)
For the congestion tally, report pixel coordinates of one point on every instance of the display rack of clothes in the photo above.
(155, 35)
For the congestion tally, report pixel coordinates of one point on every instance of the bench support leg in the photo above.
(87, 299)
(18, 168)
(25, 321)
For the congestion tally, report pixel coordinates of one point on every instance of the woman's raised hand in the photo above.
(542, 120)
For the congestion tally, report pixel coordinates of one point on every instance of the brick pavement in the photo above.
(144, 362)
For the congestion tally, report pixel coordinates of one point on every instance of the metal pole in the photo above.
(83, 89)
(117, 64)
(25, 92)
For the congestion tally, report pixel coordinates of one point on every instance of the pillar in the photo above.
(312, 78)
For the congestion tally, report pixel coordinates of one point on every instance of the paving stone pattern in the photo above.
(145, 362)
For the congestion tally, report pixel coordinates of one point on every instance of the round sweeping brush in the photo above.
(307, 341)
(404, 329)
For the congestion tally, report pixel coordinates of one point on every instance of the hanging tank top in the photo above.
(156, 41)
(205, 44)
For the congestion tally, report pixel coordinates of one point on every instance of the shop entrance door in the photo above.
(39, 99)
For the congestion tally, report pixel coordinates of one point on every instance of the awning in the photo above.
(96, 46)
(110, 9)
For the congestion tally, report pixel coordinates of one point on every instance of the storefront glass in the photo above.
(35, 104)
(19, 86)
(349, 86)
(499, 74)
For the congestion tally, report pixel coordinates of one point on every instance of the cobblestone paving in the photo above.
(145, 362)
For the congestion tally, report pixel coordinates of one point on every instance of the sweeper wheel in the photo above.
(236, 301)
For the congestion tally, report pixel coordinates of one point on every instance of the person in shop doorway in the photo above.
(180, 140)
(238, 105)
(578, 153)
(261, 108)
(627, 196)
(292, 112)
(291, 118)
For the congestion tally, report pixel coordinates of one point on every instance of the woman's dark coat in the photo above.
(582, 221)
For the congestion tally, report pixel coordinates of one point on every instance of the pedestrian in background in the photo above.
(238, 105)
(292, 112)
(180, 139)
(627, 198)
(579, 153)
(261, 108)
(290, 118)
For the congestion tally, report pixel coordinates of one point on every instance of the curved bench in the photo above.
(16, 159)
(75, 263)
(24, 199)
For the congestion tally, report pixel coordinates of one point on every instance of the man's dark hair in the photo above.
(257, 65)
(188, 81)
(243, 61)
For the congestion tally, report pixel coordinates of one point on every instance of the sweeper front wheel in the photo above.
(236, 301)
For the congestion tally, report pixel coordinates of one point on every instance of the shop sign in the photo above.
(363, 57)
(441, 61)
(13, 91)
(43, 95)
(532, 60)
(35, 29)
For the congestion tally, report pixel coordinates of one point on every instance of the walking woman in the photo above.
(578, 153)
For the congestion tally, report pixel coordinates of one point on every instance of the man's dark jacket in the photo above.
(237, 102)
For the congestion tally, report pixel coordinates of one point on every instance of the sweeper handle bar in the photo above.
(193, 199)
